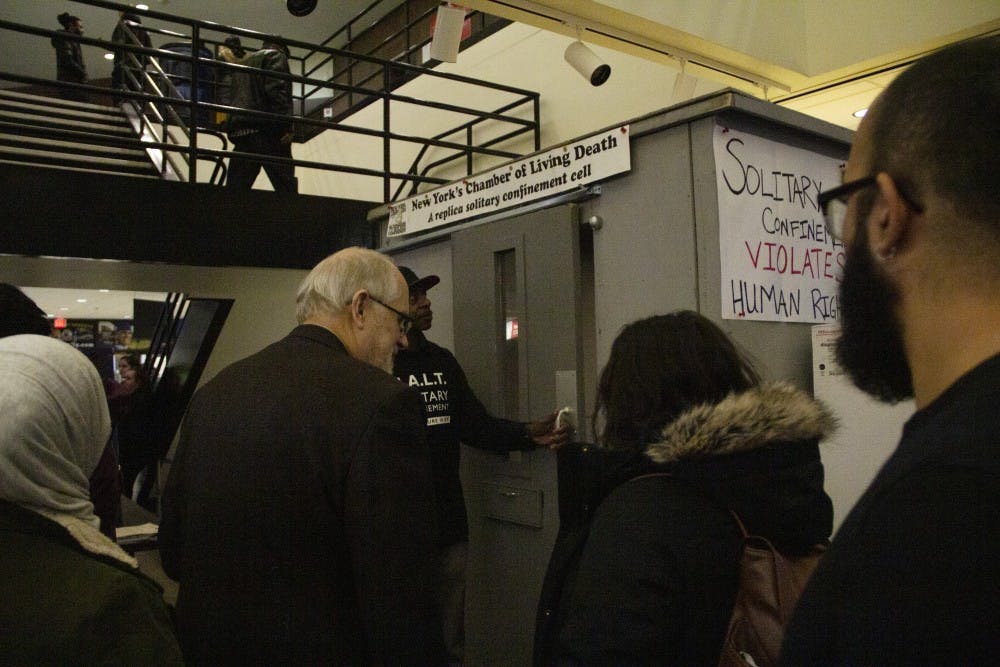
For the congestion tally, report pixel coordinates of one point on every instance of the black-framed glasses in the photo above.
(833, 204)
(405, 321)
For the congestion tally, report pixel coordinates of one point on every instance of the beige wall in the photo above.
(520, 56)
(263, 311)
(435, 259)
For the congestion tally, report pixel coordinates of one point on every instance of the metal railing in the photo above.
(143, 73)
(180, 120)
(353, 72)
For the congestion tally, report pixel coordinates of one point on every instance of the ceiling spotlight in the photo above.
(860, 113)
(300, 7)
(587, 63)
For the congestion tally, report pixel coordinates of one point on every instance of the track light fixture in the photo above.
(684, 85)
(447, 33)
(587, 63)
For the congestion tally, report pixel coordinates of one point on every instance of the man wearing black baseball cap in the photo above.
(455, 415)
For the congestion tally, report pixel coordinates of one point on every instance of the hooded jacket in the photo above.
(651, 578)
(69, 58)
(70, 594)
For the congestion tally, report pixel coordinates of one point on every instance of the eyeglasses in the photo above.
(405, 321)
(833, 204)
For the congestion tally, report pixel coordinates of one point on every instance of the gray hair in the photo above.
(332, 283)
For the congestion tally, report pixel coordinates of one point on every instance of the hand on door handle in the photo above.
(548, 432)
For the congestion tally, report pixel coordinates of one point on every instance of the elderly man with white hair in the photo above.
(298, 514)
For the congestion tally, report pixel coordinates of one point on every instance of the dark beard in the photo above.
(870, 348)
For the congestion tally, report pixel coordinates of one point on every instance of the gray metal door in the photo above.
(518, 314)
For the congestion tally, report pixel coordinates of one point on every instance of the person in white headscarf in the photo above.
(70, 595)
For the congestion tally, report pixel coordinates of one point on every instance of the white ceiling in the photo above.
(88, 303)
(826, 59)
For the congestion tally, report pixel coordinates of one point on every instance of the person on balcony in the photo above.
(129, 23)
(257, 90)
(69, 57)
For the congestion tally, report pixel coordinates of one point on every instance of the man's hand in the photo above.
(544, 433)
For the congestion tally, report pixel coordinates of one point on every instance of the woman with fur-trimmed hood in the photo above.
(654, 579)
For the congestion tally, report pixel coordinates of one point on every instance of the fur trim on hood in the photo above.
(227, 54)
(766, 414)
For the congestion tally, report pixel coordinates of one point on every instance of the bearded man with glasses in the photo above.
(912, 577)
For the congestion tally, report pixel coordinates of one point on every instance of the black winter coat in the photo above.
(652, 578)
(257, 90)
(912, 577)
(69, 59)
(298, 514)
(122, 58)
(453, 415)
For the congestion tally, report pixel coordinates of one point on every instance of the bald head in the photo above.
(923, 237)
(936, 131)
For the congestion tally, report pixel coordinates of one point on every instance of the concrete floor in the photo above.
(149, 559)
(149, 563)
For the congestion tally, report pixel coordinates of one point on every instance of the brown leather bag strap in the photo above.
(739, 523)
(649, 474)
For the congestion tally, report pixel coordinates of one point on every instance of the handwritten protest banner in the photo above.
(561, 169)
(778, 261)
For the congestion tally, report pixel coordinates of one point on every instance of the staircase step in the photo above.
(95, 164)
(53, 102)
(89, 169)
(70, 136)
(80, 157)
(71, 147)
(63, 134)
(37, 120)
(109, 115)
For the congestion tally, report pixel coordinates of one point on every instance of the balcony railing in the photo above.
(455, 135)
